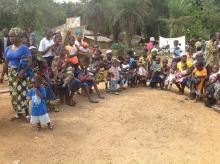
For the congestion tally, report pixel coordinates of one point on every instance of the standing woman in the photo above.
(17, 80)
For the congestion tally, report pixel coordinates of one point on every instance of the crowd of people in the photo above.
(57, 69)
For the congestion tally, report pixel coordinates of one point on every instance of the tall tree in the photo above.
(130, 14)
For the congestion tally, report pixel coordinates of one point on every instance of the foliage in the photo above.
(143, 17)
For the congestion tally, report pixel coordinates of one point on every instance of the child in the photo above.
(23, 65)
(182, 78)
(125, 71)
(142, 74)
(132, 78)
(71, 54)
(87, 82)
(44, 74)
(165, 70)
(199, 75)
(83, 54)
(39, 113)
(115, 77)
(181, 75)
(156, 71)
(107, 65)
(66, 74)
(171, 78)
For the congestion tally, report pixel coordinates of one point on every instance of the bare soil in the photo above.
(139, 126)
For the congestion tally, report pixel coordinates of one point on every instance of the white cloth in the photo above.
(5, 43)
(213, 76)
(170, 79)
(142, 71)
(43, 120)
(44, 44)
(77, 43)
(125, 66)
(163, 42)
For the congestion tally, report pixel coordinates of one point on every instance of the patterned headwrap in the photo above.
(16, 31)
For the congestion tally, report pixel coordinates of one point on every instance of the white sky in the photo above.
(66, 0)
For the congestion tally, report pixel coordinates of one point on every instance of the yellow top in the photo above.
(188, 65)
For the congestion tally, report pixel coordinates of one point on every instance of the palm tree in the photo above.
(130, 14)
(96, 15)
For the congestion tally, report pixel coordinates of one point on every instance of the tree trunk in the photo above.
(116, 32)
(129, 38)
(95, 37)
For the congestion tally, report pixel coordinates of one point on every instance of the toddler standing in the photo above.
(114, 71)
(39, 113)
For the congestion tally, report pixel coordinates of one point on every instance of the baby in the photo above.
(23, 65)
(67, 73)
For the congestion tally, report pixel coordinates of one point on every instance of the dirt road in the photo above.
(139, 126)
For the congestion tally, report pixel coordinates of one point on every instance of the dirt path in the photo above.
(139, 126)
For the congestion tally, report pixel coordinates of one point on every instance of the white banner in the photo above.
(165, 42)
(73, 22)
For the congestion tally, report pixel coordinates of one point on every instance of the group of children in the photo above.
(72, 68)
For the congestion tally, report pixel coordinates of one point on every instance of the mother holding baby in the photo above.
(17, 80)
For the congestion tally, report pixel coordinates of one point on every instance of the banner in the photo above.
(73, 22)
(168, 42)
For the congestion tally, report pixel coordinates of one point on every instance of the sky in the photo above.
(66, 0)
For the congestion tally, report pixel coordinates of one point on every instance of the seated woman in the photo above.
(87, 82)
(66, 83)
(187, 64)
(97, 67)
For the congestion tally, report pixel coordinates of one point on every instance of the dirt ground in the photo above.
(139, 126)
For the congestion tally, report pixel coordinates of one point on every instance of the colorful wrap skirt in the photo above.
(18, 90)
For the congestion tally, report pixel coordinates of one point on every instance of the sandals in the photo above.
(17, 116)
(50, 127)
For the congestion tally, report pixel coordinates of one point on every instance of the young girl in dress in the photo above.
(115, 77)
(125, 71)
(141, 74)
(39, 113)
(165, 71)
(156, 71)
(171, 78)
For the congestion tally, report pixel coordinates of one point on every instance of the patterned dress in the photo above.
(17, 87)
(210, 55)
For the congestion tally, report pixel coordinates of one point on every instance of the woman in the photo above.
(65, 93)
(17, 80)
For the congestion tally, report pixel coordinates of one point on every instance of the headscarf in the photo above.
(16, 31)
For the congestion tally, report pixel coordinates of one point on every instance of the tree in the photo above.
(130, 15)
(96, 15)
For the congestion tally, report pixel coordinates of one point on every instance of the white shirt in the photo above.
(5, 42)
(44, 44)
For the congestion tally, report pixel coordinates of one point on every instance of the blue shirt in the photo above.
(14, 56)
(38, 105)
